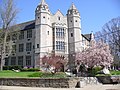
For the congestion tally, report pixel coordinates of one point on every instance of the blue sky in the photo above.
(94, 13)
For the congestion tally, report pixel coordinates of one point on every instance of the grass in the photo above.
(111, 73)
(115, 72)
(12, 74)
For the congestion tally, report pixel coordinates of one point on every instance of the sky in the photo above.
(94, 13)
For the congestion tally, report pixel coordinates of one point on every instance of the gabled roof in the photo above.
(59, 13)
(87, 36)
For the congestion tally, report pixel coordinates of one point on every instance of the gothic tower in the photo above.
(43, 31)
(74, 34)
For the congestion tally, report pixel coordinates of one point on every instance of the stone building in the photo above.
(48, 33)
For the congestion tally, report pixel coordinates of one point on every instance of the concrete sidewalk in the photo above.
(88, 87)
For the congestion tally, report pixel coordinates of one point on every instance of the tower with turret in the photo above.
(43, 31)
(74, 33)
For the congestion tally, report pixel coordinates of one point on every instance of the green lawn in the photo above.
(12, 74)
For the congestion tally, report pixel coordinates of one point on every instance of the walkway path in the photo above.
(88, 87)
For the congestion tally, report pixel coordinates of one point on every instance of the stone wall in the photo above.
(37, 82)
(84, 81)
(109, 79)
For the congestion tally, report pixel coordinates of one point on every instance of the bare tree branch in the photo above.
(8, 13)
(111, 34)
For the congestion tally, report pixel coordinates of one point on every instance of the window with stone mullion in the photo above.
(21, 36)
(29, 33)
(28, 46)
(20, 60)
(13, 60)
(28, 60)
(21, 47)
(60, 32)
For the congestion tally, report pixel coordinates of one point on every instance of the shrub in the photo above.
(48, 75)
(6, 68)
(56, 75)
(93, 71)
(37, 74)
(30, 69)
(12, 67)
(103, 75)
(115, 72)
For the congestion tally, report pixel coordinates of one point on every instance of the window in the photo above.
(21, 47)
(6, 61)
(28, 60)
(7, 49)
(21, 36)
(75, 20)
(71, 34)
(8, 38)
(60, 45)
(58, 18)
(43, 16)
(60, 32)
(20, 60)
(44, 8)
(14, 37)
(13, 60)
(13, 48)
(28, 46)
(29, 33)
(48, 32)
(37, 45)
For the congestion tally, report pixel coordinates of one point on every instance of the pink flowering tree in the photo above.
(97, 54)
(55, 61)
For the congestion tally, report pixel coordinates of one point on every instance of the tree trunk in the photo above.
(3, 51)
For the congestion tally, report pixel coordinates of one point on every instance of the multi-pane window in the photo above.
(7, 49)
(21, 36)
(21, 47)
(6, 61)
(8, 38)
(28, 60)
(20, 60)
(29, 33)
(13, 60)
(28, 46)
(60, 45)
(13, 48)
(14, 37)
(60, 32)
